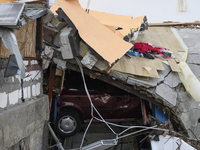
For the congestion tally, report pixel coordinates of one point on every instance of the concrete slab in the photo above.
(167, 93)
(172, 79)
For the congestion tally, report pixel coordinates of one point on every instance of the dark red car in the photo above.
(115, 105)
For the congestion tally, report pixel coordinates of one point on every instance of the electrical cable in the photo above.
(108, 123)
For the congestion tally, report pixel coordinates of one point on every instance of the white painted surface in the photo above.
(19, 93)
(28, 92)
(13, 97)
(38, 86)
(3, 100)
(170, 143)
(34, 90)
(25, 90)
(156, 11)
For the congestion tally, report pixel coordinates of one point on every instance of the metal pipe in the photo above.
(58, 144)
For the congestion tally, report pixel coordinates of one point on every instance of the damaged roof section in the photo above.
(22, 43)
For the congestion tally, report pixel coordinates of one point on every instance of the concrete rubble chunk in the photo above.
(172, 79)
(66, 52)
(89, 60)
(167, 93)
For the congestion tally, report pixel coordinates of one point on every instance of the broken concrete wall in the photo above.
(22, 126)
(169, 88)
(10, 88)
(22, 123)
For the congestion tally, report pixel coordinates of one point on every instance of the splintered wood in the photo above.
(26, 38)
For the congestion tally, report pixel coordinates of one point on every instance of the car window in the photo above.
(93, 85)
(75, 85)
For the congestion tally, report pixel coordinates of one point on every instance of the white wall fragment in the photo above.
(38, 87)
(64, 40)
(13, 97)
(3, 100)
(60, 63)
(25, 91)
(89, 60)
(66, 52)
(34, 93)
(28, 92)
(19, 94)
(48, 51)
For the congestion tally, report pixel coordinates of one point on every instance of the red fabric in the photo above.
(145, 47)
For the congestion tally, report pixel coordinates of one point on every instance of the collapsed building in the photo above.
(98, 45)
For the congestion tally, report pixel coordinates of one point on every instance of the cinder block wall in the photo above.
(22, 124)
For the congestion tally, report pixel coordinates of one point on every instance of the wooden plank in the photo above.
(174, 65)
(162, 36)
(136, 66)
(26, 38)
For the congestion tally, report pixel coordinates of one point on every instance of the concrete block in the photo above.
(25, 91)
(48, 51)
(28, 92)
(34, 93)
(166, 93)
(66, 52)
(172, 79)
(3, 101)
(89, 60)
(64, 40)
(38, 87)
(60, 63)
(48, 17)
(13, 97)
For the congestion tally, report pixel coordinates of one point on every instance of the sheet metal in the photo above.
(10, 42)
(10, 13)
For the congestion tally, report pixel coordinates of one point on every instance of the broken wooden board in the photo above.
(173, 65)
(26, 38)
(109, 46)
(125, 22)
(139, 66)
(162, 36)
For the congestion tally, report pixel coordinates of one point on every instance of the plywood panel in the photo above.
(174, 65)
(162, 36)
(95, 34)
(26, 38)
(125, 22)
(136, 66)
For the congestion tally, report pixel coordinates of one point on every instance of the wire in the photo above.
(108, 123)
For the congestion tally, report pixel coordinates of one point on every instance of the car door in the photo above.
(100, 98)
(125, 105)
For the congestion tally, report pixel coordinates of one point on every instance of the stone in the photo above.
(167, 93)
(172, 79)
